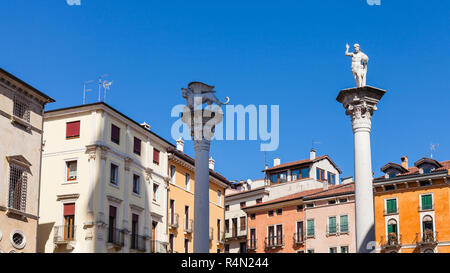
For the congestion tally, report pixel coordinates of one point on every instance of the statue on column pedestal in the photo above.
(359, 65)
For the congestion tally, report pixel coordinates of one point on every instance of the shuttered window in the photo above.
(156, 156)
(115, 134)
(137, 146)
(391, 206)
(344, 223)
(332, 225)
(427, 201)
(69, 209)
(73, 130)
(310, 228)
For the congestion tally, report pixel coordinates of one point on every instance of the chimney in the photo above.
(312, 154)
(180, 145)
(276, 161)
(145, 125)
(211, 163)
(405, 162)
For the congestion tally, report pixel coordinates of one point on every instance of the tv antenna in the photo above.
(100, 85)
(86, 90)
(106, 87)
(433, 149)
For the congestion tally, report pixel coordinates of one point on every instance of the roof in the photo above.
(243, 192)
(302, 162)
(190, 160)
(414, 170)
(333, 191)
(49, 99)
(113, 109)
(286, 198)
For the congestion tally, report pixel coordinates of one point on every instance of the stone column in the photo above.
(126, 206)
(360, 103)
(101, 224)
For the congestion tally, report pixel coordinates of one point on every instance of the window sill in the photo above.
(136, 194)
(22, 122)
(69, 182)
(114, 185)
(156, 203)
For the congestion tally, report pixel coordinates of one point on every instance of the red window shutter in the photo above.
(69, 209)
(135, 217)
(112, 211)
(115, 133)
(137, 145)
(73, 129)
(156, 156)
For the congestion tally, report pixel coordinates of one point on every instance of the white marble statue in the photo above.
(359, 65)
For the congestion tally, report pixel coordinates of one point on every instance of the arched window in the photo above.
(427, 223)
(392, 226)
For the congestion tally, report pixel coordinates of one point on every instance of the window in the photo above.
(310, 205)
(219, 230)
(320, 174)
(427, 170)
(304, 173)
(343, 200)
(186, 245)
(115, 134)
(227, 226)
(299, 234)
(310, 251)
(310, 228)
(114, 175)
(252, 241)
(299, 208)
(252, 216)
(242, 247)
(227, 208)
(187, 182)
(332, 225)
(134, 231)
(136, 183)
(300, 174)
(69, 221)
(155, 192)
(424, 183)
(344, 223)
(283, 177)
(243, 205)
(172, 174)
(389, 187)
(18, 240)
(344, 249)
(137, 146)
(426, 201)
(112, 224)
(21, 109)
(274, 178)
(72, 130)
(156, 156)
(427, 227)
(243, 223)
(331, 178)
(219, 197)
(227, 248)
(295, 175)
(392, 227)
(171, 244)
(391, 206)
(259, 201)
(333, 250)
(234, 227)
(279, 211)
(392, 175)
(71, 167)
(270, 213)
(331, 202)
(17, 188)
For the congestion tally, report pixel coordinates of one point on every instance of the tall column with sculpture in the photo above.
(202, 122)
(360, 104)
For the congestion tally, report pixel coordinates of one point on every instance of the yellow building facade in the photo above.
(412, 207)
(181, 204)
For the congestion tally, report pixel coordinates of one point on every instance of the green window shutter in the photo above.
(332, 224)
(427, 201)
(310, 228)
(390, 228)
(344, 223)
(391, 206)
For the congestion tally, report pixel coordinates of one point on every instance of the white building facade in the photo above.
(104, 183)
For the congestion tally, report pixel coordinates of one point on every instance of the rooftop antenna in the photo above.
(86, 90)
(106, 87)
(433, 149)
(100, 85)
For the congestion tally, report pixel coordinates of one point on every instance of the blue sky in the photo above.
(286, 53)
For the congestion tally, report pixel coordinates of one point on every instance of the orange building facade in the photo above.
(412, 207)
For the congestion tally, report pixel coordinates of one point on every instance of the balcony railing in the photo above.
(116, 237)
(299, 238)
(173, 220)
(428, 237)
(158, 247)
(426, 207)
(274, 241)
(251, 244)
(64, 234)
(137, 242)
(189, 226)
(236, 233)
(392, 241)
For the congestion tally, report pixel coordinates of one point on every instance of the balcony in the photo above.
(393, 241)
(137, 242)
(116, 237)
(158, 247)
(173, 220)
(236, 234)
(428, 238)
(188, 226)
(64, 234)
(251, 244)
(299, 238)
(273, 242)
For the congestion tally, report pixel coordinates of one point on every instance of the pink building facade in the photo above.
(330, 220)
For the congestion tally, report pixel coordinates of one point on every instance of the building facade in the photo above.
(330, 220)
(104, 183)
(412, 207)
(21, 109)
(181, 203)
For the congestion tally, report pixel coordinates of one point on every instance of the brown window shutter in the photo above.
(156, 156)
(112, 211)
(137, 146)
(115, 134)
(69, 209)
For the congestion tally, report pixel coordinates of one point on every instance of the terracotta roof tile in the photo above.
(300, 162)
